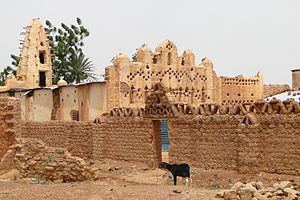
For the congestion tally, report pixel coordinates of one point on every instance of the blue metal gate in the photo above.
(164, 135)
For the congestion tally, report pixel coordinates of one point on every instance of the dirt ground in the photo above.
(123, 180)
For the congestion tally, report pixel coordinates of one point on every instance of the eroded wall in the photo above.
(10, 115)
(75, 136)
(206, 142)
(270, 90)
(127, 139)
(271, 144)
(262, 137)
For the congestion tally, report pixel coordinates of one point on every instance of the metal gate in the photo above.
(164, 135)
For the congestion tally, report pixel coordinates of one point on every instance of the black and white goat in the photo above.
(182, 170)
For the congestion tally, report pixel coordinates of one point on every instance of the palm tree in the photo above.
(82, 69)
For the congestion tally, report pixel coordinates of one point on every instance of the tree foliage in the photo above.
(66, 45)
(3, 75)
(79, 65)
(15, 60)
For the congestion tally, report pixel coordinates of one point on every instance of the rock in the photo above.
(271, 190)
(291, 197)
(237, 186)
(254, 198)
(250, 187)
(145, 168)
(20, 155)
(49, 168)
(177, 191)
(32, 162)
(246, 193)
(220, 195)
(58, 181)
(50, 163)
(259, 185)
(290, 191)
(268, 194)
(114, 169)
(278, 193)
(260, 196)
(276, 198)
(231, 195)
(283, 184)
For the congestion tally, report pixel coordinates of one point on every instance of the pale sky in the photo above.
(239, 36)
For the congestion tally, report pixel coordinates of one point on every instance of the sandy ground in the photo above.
(123, 180)
(98, 191)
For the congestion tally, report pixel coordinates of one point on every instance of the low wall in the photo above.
(116, 138)
(73, 135)
(10, 115)
(262, 137)
(270, 145)
(207, 142)
(270, 90)
(127, 139)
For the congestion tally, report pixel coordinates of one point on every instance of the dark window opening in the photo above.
(42, 57)
(169, 58)
(42, 82)
(74, 115)
(11, 93)
(154, 60)
(182, 61)
(131, 95)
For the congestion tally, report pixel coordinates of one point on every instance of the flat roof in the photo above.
(295, 70)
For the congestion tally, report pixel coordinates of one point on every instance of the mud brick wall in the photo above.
(223, 142)
(75, 136)
(279, 144)
(127, 139)
(270, 90)
(10, 115)
(205, 141)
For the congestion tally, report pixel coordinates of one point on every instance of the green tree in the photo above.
(133, 57)
(3, 75)
(66, 45)
(81, 69)
(15, 60)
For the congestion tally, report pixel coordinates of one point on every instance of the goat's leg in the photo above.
(186, 181)
(175, 180)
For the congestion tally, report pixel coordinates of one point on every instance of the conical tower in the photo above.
(35, 67)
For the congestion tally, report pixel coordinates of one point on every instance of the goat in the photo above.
(182, 170)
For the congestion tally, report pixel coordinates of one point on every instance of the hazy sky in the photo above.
(239, 36)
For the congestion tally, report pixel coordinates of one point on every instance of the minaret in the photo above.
(35, 67)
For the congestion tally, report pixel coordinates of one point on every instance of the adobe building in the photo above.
(34, 69)
(186, 81)
(127, 83)
(296, 79)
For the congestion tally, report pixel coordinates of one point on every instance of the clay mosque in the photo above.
(127, 83)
